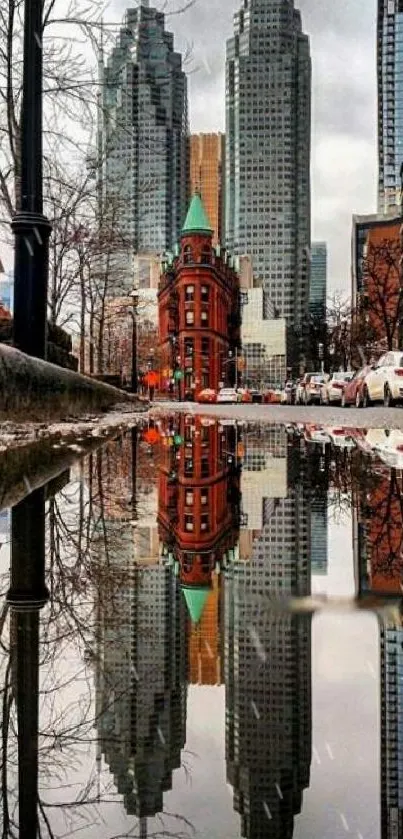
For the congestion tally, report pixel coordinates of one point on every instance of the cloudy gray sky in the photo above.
(344, 169)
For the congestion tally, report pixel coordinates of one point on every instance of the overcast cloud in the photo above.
(344, 167)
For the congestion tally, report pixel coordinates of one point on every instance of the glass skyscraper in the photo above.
(390, 102)
(145, 133)
(268, 126)
(318, 284)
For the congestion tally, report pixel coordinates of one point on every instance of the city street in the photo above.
(376, 417)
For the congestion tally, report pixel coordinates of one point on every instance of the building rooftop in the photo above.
(196, 219)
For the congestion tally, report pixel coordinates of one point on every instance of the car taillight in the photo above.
(398, 371)
(337, 384)
(399, 448)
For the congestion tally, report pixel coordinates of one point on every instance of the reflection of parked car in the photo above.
(332, 390)
(309, 388)
(384, 382)
(341, 437)
(207, 395)
(227, 394)
(352, 391)
(316, 434)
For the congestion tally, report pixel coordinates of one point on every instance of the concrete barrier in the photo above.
(35, 390)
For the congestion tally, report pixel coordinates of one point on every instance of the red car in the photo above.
(352, 393)
(208, 395)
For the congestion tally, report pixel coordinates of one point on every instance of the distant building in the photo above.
(207, 177)
(145, 133)
(375, 277)
(199, 311)
(319, 546)
(318, 285)
(263, 343)
(390, 103)
(267, 155)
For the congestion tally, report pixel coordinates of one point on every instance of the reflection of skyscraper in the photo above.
(391, 649)
(319, 552)
(198, 518)
(267, 670)
(141, 662)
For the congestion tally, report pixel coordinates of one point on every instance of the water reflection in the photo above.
(170, 559)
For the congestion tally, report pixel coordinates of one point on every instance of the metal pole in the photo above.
(27, 595)
(30, 227)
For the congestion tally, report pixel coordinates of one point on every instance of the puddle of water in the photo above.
(202, 634)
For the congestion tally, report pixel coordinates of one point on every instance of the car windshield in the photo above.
(317, 379)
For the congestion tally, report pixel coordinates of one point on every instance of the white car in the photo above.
(227, 394)
(332, 391)
(389, 448)
(384, 382)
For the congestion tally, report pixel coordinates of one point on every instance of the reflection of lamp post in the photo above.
(134, 378)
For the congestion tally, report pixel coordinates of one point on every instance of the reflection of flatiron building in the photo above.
(267, 667)
(199, 519)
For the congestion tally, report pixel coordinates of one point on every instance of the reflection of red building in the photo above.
(199, 311)
(380, 533)
(198, 514)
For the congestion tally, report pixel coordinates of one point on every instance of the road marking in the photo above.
(279, 793)
(255, 709)
(371, 668)
(329, 751)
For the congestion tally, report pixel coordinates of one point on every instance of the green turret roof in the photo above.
(196, 219)
(196, 601)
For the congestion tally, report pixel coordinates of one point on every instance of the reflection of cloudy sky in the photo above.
(343, 152)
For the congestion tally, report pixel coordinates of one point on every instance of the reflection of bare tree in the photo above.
(88, 522)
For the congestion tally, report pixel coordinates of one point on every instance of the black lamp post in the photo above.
(30, 227)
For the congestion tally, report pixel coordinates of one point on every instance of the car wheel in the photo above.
(365, 398)
(388, 400)
(344, 404)
(358, 400)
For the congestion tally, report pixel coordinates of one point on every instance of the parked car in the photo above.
(289, 393)
(352, 391)
(271, 396)
(256, 395)
(384, 382)
(309, 388)
(332, 390)
(207, 395)
(244, 395)
(227, 394)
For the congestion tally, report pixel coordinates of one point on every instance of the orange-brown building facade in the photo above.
(206, 177)
(199, 312)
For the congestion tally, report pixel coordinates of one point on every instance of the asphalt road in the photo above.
(375, 417)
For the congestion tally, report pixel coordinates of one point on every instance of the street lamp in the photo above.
(134, 377)
(30, 227)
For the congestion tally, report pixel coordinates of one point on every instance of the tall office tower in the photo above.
(145, 133)
(268, 126)
(267, 669)
(390, 103)
(319, 549)
(207, 177)
(391, 693)
(318, 284)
